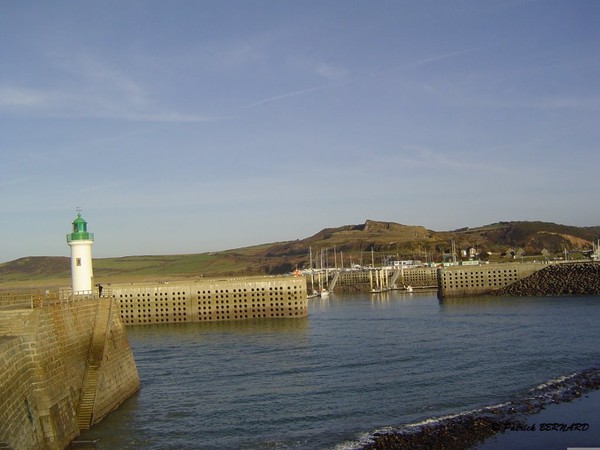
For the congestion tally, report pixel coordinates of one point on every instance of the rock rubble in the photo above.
(464, 431)
(559, 279)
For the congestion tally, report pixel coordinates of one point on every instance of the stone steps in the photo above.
(85, 411)
(88, 399)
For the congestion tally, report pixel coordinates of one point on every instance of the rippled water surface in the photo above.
(357, 363)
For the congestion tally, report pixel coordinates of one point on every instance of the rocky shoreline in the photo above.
(464, 431)
(557, 279)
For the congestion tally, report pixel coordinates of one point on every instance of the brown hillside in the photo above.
(353, 243)
(37, 265)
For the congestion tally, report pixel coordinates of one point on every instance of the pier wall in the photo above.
(417, 277)
(211, 300)
(465, 281)
(44, 356)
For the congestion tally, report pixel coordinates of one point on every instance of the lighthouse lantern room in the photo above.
(81, 241)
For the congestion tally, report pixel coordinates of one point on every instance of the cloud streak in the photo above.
(17, 97)
(420, 156)
(17, 101)
(437, 58)
(96, 91)
(296, 93)
(337, 75)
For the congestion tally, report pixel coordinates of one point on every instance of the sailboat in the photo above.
(314, 293)
(324, 292)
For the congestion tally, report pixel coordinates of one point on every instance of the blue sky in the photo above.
(193, 126)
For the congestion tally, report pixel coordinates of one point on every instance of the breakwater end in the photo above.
(520, 279)
(557, 279)
(466, 281)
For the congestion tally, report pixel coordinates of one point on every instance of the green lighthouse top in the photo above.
(80, 232)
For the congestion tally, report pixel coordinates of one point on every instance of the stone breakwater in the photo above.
(63, 367)
(466, 430)
(559, 279)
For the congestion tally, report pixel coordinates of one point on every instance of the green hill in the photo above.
(352, 243)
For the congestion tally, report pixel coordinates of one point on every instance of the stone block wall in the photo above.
(43, 358)
(118, 378)
(17, 429)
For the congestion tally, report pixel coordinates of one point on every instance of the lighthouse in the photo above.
(81, 242)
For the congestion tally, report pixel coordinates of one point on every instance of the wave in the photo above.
(466, 429)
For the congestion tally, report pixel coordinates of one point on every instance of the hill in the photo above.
(351, 243)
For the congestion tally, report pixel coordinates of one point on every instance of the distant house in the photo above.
(596, 251)
(545, 253)
(519, 253)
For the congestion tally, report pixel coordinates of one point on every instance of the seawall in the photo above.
(211, 300)
(465, 281)
(63, 367)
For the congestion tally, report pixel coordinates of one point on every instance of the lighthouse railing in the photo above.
(80, 236)
(30, 299)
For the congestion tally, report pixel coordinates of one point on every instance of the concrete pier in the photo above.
(465, 281)
(210, 300)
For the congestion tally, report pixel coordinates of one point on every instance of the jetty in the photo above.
(468, 280)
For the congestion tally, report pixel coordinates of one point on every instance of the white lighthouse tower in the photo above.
(81, 242)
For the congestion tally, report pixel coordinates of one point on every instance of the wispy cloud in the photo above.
(330, 71)
(427, 157)
(338, 76)
(110, 186)
(14, 181)
(287, 95)
(310, 66)
(89, 105)
(437, 58)
(98, 76)
(17, 97)
(95, 90)
(549, 103)
(334, 74)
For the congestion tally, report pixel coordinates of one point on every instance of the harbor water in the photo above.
(358, 363)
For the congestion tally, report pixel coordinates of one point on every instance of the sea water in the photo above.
(356, 364)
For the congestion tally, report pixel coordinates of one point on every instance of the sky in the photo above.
(195, 126)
